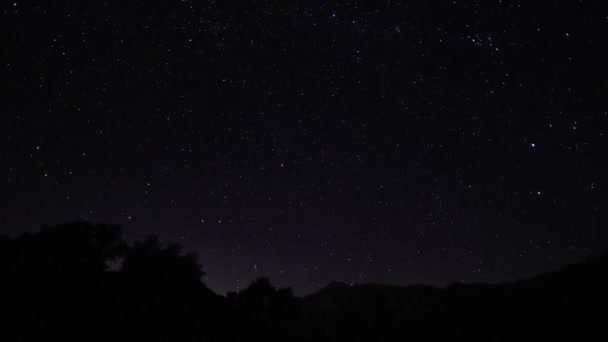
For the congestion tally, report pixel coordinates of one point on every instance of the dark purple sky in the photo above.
(397, 142)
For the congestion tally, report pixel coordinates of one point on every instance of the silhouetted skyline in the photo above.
(55, 284)
(392, 142)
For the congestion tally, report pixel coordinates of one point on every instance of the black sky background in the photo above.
(394, 142)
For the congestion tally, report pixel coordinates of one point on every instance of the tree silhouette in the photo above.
(261, 303)
(70, 249)
(151, 263)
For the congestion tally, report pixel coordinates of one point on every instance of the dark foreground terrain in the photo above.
(56, 285)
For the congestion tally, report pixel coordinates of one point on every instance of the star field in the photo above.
(394, 142)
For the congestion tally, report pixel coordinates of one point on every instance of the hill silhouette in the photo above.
(57, 284)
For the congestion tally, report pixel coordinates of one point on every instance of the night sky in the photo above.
(396, 142)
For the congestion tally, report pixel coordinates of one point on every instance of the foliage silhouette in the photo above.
(57, 284)
(148, 263)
